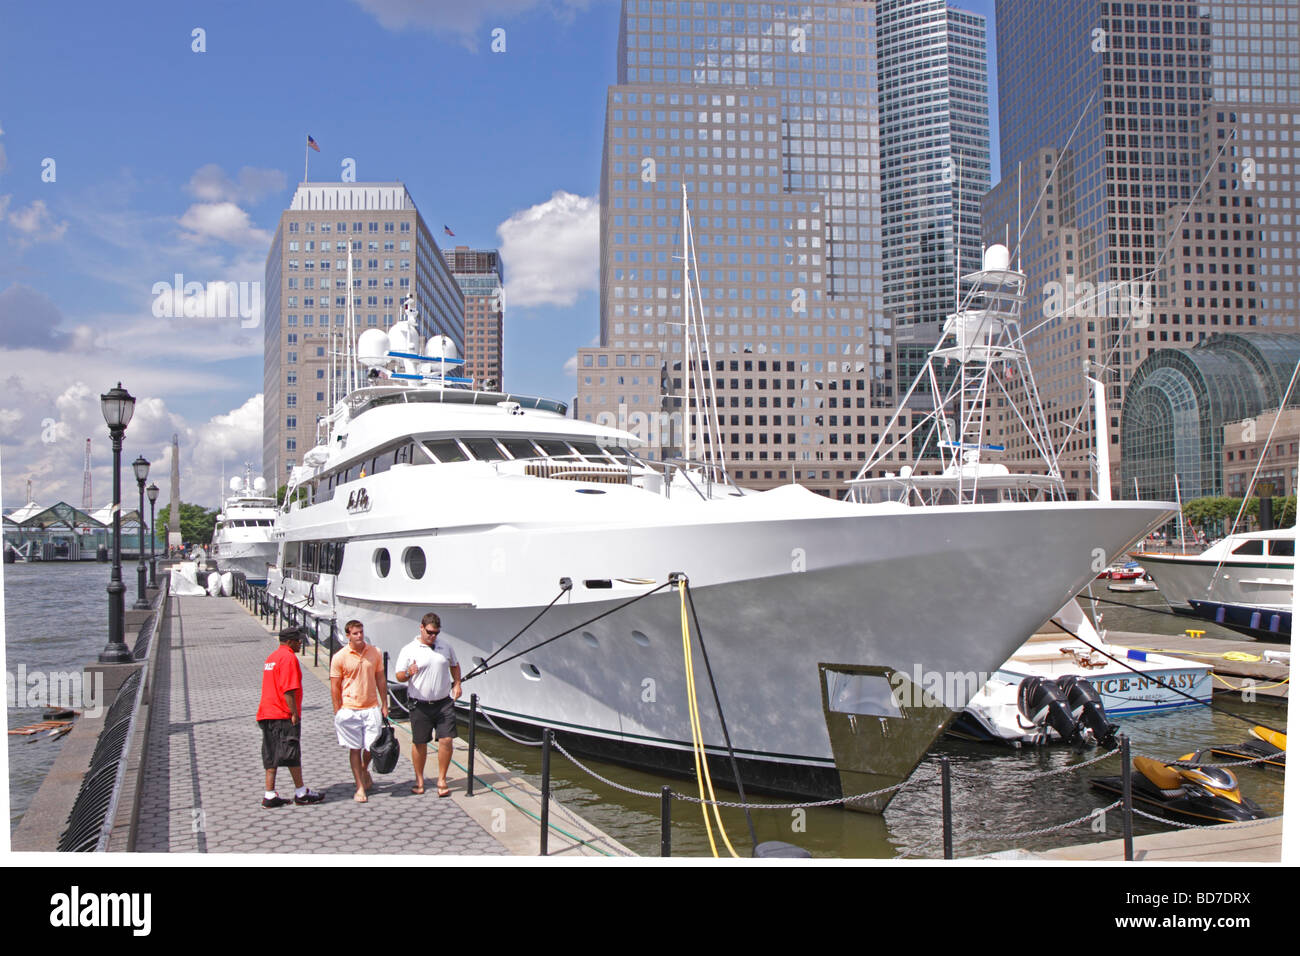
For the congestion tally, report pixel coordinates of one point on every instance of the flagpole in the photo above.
(306, 154)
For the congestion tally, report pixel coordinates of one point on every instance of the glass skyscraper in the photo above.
(934, 146)
(1146, 156)
(769, 113)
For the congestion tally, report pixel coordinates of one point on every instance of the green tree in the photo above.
(299, 495)
(197, 522)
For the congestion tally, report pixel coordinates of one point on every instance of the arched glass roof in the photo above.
(1176, 405)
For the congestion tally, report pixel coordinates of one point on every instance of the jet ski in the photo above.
(1185, 790)
(1268, 747)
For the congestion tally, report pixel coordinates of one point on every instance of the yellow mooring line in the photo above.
(702, 776)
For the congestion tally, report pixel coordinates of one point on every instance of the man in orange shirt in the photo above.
(359, 689)
(279, 714)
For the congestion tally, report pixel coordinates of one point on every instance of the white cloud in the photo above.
(551, 251)
(35, 224)
(571, 365)
(45, 441)
(211, 184)
(222, 221)
(469, 22)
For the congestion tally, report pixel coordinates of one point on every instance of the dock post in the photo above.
(473, 722)
(666, 822)
(546, 787)
(315, 650)
(1127, 778)
(945, 775)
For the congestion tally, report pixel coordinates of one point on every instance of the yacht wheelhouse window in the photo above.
(591, 451)
(1282, 549)
(446, 450)
(520, 447)
(484, 449)
(556, 449)
(1255, 546)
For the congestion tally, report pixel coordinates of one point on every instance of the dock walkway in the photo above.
(203, 776)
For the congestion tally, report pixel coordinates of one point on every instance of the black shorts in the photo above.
(428, 716)
(280, 745)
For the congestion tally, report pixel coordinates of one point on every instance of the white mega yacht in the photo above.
(819, 617)
(242, 540)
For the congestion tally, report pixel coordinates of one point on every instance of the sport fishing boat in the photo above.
(242, 541)
(978, 378)
(530, 533)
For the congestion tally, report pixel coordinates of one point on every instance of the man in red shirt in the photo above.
(280, 715)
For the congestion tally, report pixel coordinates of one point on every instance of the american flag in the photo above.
(312, 143)
(447, 230)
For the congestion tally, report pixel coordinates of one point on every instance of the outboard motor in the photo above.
(1040, 700)
(1087, 709)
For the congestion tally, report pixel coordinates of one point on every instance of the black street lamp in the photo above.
(141, 468)
(152, 492)
(118, 405)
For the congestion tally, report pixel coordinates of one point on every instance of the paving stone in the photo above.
(203, 775)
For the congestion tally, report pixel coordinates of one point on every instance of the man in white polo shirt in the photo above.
(432, 675)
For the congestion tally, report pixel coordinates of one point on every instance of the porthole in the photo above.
(530, 671)
(589, 491)
(383, 562)
(590, 638)
(413, 560)
(640, 638)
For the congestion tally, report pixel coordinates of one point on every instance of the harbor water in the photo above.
(56, 620)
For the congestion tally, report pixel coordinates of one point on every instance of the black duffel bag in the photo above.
(385, 751)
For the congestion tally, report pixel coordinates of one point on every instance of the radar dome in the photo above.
(259, 484)
(372, 348)
(441, 346)
(996, 257)
(404, 338)
(236, 483)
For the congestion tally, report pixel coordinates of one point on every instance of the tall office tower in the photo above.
(768, 114)
(478, 273)
(1143, 226)
(934, 166)
(392, 253)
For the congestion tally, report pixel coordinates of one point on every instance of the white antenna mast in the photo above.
(351, 320)
(686, 336)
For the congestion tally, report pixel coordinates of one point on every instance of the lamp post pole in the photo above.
(152, 492)
(141, 468)
(118, 406)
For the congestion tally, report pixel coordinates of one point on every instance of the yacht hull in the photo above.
(1184, 578)
(917, 602)
(249, 558)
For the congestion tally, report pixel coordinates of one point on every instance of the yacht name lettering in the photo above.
(359, 500)
(1122, 685)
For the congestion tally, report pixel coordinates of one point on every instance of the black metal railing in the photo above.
(91, 820)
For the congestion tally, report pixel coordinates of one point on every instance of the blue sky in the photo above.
(127, 157)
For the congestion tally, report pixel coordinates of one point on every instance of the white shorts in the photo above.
(358, 729)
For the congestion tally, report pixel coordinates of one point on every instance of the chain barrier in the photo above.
(1205, 826)
(525, 743)
(1060, 771)
(726, 803)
